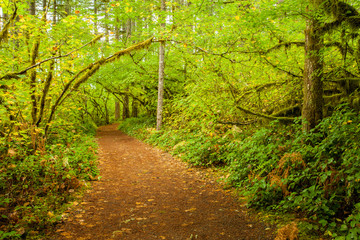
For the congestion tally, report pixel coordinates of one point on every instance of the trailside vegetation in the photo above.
(47, 150)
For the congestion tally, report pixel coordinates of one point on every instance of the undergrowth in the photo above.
(35, 186)
(315, 175)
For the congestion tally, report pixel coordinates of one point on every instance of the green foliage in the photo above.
(138, 127)
(193, 147)
(314, 174)
(35, 188)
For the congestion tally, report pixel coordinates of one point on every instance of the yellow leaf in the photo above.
(190, 210)
(237, 18)
(12, 166)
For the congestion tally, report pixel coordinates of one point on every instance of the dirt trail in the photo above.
(145, 194)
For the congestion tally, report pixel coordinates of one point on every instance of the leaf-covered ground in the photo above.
(146, 194)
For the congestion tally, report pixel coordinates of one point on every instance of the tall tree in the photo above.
(32, 7)
(54, 12)
(161, 73)
(312, 111)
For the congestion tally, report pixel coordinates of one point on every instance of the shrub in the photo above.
(35, 186)
(138, 127)
(315, 174)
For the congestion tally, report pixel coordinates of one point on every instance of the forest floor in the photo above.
(144, 193)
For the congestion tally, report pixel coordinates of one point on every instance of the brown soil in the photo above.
(144, 193)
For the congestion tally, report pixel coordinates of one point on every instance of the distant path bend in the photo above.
(146, 194)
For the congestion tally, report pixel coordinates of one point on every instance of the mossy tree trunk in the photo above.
(126, 110)
(134, 112)
(312, 111)
(117, 110)
(161, 75)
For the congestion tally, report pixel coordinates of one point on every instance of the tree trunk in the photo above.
(135, 110)
(126, 112)
(128, 29)
(54, 12)
(161, 76)
(117, 110)
(44, 5)
(312, 111)
(33, 74)
(107, 30)
(95, 18)
(32, 7)
(67, 7)
(107, 115)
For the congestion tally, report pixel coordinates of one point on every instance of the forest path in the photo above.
(144, 193)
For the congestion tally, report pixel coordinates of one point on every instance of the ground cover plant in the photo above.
(36, 187)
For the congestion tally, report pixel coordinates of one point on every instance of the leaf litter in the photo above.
(144, 193)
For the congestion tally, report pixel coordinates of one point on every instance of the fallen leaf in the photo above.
(187, 224)
(65, 234)
(190, 210)
(126, 230)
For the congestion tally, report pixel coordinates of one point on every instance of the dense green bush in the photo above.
(35, 186)
(194, 147)
(138, 127)
(315, 174)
